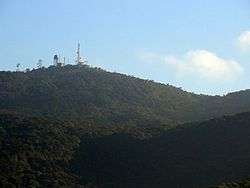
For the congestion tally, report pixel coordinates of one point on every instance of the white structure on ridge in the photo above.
(79, 60)
(57, 61)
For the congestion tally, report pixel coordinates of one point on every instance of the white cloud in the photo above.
(244, 40)
(200, 64)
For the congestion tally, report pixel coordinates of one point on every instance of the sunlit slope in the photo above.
(93, 95)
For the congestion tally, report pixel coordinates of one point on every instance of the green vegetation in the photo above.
(84, 94)
(84, 127)
(195, 155)
(35, 153)
(47, 153)
(238, 184)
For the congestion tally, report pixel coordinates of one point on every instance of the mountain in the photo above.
(94, 96)
(37, 152)
(77, 126)
(190, 156)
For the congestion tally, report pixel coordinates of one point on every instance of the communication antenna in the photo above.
(79, 60)
(64, 61)
(78, 57)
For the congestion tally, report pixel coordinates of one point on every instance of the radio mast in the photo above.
(79, 60)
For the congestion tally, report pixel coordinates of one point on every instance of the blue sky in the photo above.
(192, 44)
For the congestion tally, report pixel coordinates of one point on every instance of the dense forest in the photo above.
(84, 127)
(42, 153)
(99, 97)
(35, 153)
(194, 155)
(236, 184)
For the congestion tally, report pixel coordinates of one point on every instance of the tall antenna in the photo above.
(64, 61)
(79, 59)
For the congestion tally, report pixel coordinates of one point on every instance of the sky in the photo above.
(202, 46)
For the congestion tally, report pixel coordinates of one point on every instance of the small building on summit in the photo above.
(80, 60)
(57, 61)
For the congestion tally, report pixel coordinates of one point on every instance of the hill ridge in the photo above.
(92, 94)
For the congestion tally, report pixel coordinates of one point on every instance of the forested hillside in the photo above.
(77, 126)
(94, 96)
(236, 184)
(195, 155)
(36, 152)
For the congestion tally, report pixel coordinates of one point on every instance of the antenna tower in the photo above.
(79, 60)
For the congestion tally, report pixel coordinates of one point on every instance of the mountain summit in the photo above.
(81, 93)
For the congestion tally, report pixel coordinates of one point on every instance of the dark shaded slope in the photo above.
(99, 97)
(201, 155)
(36, 153)
(235, 184)
(41, 153)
